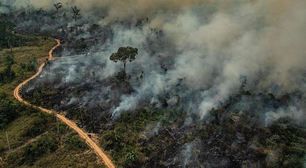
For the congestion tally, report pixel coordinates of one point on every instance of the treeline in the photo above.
(8, 39)
(10, 110)
(7, 75)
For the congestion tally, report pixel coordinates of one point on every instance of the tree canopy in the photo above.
(7, 38)
(123, 54)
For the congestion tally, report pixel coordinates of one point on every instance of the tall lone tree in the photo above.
(123, 54)
(58, 6)
(76, 12)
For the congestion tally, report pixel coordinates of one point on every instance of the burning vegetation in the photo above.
(210, 84)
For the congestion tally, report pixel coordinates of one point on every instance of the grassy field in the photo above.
(35, 49)
(37, 139)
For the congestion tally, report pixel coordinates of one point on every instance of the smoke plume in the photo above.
(192, 52)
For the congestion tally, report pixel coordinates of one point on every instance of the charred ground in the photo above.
(234, 135)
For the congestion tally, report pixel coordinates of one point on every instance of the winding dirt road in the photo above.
(71, 124)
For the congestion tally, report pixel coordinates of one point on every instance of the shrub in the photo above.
(8, 110)
(73, 142)
(33, 151)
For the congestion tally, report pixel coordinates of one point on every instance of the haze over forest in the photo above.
(198, 62)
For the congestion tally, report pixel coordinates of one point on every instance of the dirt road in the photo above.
(71, 124)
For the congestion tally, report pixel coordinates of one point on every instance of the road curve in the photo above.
(71, 124)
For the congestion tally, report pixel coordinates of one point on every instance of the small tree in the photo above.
(76, 12)
(123, 54)
(58, 6)
(9, 58)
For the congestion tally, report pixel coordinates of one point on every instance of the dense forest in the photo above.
(7, 37)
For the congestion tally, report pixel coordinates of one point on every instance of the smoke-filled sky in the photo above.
(206, 46)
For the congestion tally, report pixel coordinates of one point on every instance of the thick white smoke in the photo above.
(241, 41)
(206, 47)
